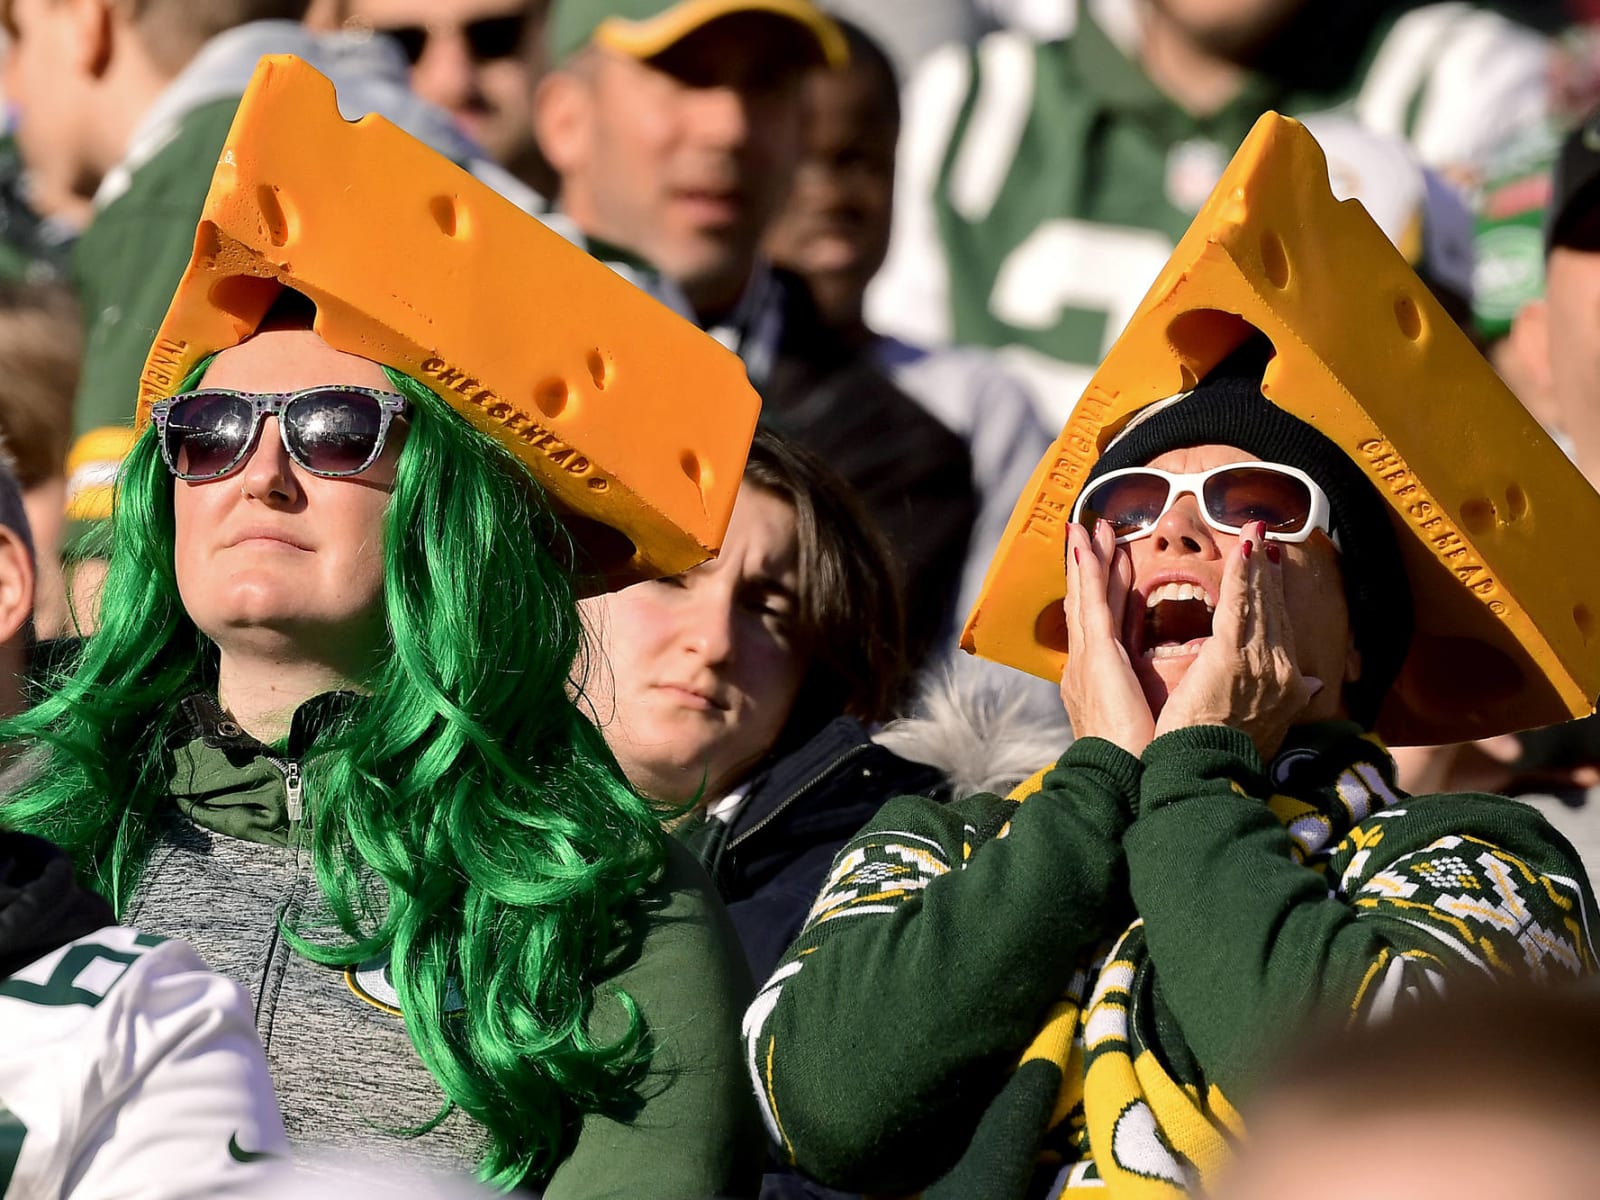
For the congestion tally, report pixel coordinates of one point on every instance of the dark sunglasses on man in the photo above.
(487, 39)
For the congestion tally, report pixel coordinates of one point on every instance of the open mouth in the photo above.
(1177, 617)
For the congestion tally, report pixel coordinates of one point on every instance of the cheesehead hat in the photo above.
(644, 28)
(635, 422)
(1492, 521)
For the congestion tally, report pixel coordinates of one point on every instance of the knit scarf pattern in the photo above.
(1134, 1115)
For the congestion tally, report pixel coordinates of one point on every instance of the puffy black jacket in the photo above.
(769, 862)
(42, 905)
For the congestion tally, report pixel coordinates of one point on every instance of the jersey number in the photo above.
(1072, 285)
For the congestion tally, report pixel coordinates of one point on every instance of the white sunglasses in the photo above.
(1285, 498)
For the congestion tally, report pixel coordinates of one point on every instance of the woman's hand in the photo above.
(1245, 675)
(1101, 693)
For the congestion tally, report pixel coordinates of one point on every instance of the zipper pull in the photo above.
(291, 785)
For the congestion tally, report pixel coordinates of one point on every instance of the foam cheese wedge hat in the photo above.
(635, 422)
(1495, 525)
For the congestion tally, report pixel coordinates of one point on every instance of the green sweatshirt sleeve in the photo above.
(695, 1133)
(942, 935)
(1247, 942)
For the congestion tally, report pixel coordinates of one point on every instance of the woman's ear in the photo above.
(98, 30)
(16, 584)
(563, 119)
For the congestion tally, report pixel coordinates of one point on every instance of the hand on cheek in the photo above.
(1102, 696)
(1245, 675)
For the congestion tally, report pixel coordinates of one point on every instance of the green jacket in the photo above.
(31, 250)
(125, 268)
(977, 978)
(228, 868)
(127, 263)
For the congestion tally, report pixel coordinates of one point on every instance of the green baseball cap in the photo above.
(644, 28)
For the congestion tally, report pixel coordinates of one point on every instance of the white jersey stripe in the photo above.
(1398, 73)
(1005, 100)
(910, 297)
(1488, 65)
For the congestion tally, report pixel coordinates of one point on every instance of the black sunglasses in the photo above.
(328, 431)
(487, 38)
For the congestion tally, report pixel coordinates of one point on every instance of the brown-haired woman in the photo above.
(745, 687)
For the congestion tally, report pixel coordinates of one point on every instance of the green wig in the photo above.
(507, 843)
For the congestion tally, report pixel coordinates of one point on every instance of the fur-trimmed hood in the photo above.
(985, 727)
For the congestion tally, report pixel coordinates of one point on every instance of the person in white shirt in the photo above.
(128, 1069)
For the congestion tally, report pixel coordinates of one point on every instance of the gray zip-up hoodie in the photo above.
(228, 874)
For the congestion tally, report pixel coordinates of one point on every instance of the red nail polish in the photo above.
(1074, 554)
(1246, 547)
(1273, 552)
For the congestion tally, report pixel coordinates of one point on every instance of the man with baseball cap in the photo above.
(675, 129)
(687, 172)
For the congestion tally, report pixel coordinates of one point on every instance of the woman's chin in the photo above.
(279, 629)
(1160, 676)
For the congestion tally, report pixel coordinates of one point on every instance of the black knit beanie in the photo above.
(1227, 408)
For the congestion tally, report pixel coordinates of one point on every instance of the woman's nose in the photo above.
(708, 630)
(1183, 530)
(267, 473)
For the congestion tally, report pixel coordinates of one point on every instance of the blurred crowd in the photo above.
(921, 227)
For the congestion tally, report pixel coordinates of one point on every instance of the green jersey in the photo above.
(1015, 999)
(1043, 185)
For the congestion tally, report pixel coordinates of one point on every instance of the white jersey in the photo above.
(130, 1070)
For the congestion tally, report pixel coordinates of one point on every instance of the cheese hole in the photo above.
(1274, 260)
(697, 472)
(1584, 620)
(1477, 515)
(1408, 317)
(1200, 338)
(1050, 627)
(207, 245)
(551, 396)
(275, 214)
(448, 215)
(1516, 503)
(599, 368)
(245, 298)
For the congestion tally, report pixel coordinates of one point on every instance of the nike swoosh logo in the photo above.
(238, 1154)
